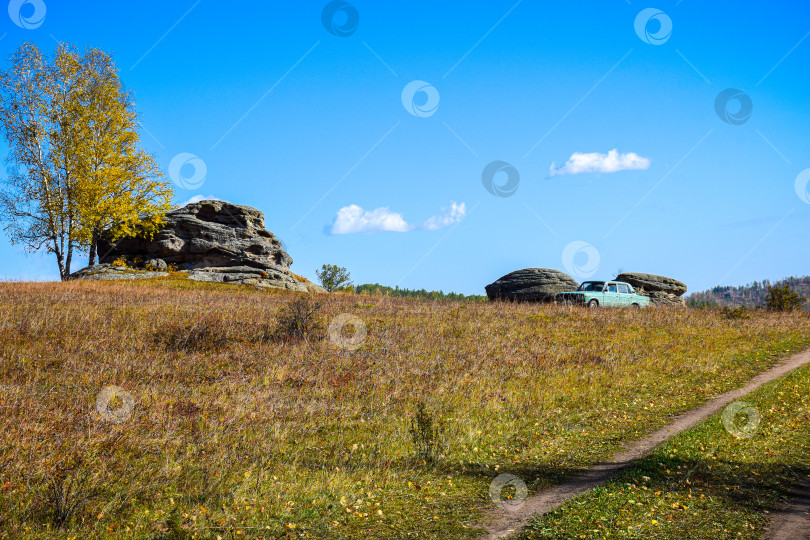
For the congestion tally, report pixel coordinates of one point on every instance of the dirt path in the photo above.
(506, 523)
(794, 520)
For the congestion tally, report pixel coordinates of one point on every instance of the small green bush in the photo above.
(426, 434)
(741, 312)
(783, 298)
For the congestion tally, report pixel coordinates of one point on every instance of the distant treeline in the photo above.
(751, 295)
(381, 290)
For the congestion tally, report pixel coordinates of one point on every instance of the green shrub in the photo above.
(741, 312)
(783, 298)
(425, 434)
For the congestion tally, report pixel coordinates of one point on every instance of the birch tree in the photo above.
(75, 169)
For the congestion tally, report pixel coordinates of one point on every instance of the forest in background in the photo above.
(751, 295)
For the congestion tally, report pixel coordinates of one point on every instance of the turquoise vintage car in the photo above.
(604, 294)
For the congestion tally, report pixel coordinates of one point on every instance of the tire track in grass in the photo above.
(504, 523)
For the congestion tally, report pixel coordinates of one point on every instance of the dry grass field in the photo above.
(226, 427)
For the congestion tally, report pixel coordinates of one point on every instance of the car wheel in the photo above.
(593, 304)
(635, 306)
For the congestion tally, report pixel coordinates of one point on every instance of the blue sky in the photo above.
(308, 123)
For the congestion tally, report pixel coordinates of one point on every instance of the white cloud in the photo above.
(354, 219)
(198, 198)
(449, 216)
(595, 162)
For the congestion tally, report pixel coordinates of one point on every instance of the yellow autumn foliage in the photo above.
(77, 170)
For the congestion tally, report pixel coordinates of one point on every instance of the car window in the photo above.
(623, 288)
(595, 286)
(612, 287)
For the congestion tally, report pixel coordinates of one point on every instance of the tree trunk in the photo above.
(93, 248)
(68, 258)
(59, 260)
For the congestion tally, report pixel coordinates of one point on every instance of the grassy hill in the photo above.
(170, 409)
(751, 295)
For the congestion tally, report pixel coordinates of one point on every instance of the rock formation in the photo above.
(531, 285)
(108, 272)
(651, 282)
(662, 290)
(211, 241)
(659, 298)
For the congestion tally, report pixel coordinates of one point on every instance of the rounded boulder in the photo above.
(653, 283)
(531, 285)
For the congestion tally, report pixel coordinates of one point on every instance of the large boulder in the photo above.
(107, 272)
(659, 298)
(203, 235)
(210, 241)
(531, 285)
(651, 283)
